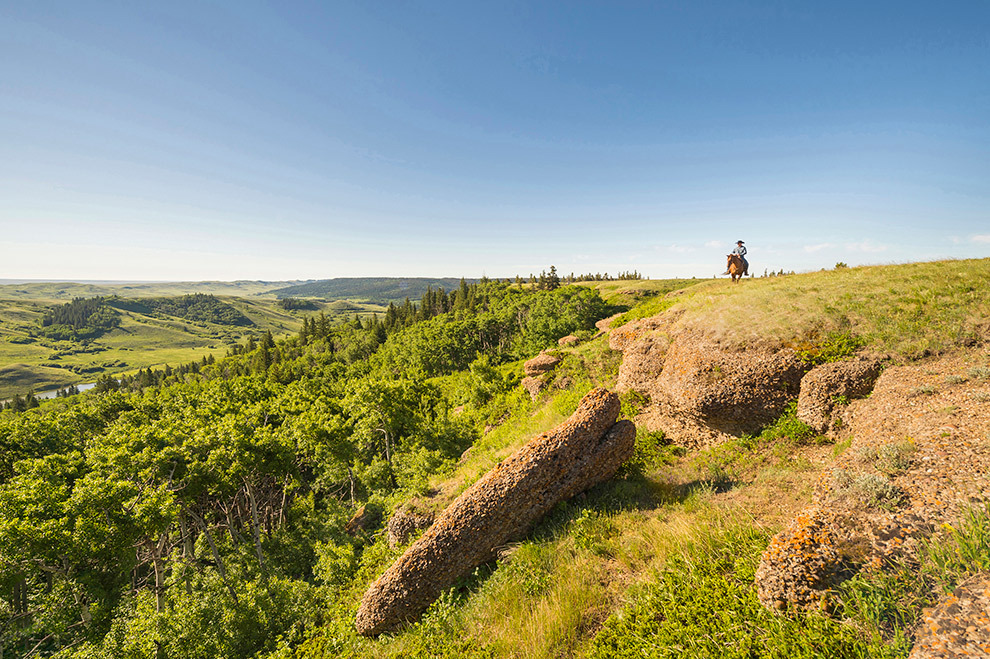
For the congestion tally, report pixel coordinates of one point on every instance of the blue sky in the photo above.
(295, 140)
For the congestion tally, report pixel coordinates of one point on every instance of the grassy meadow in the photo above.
(34, 363)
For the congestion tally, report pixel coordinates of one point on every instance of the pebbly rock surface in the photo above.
(701, 392)
(960, 625)
(918, 460)
(569, 340)
(826, 385)
(542, 363)
(501, 507)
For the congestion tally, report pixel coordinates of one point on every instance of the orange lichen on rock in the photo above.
(801, 564)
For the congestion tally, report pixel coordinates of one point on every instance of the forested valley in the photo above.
(200, 511)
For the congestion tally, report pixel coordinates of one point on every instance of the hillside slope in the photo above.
(381, 290)
(271, 489)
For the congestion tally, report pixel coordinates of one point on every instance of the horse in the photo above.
(735, 266)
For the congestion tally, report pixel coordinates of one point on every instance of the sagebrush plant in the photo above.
(894, 458)
(872, 490)
(979, 372)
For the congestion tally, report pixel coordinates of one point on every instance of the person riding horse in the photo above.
(740, 251)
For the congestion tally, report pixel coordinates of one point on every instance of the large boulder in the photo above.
(542, 363)
(733, 391)
(501, 507)
(825, 388)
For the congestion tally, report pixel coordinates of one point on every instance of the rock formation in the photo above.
(824, 387)
(542, 363)
(703, 392)
(533, 386)
(501, 507)
(914, 465)
(537, 373)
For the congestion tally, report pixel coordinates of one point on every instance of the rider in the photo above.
(741, 251)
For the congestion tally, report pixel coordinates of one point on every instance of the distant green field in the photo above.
(32, 362)
(65, 291)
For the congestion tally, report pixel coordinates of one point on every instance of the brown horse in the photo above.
(735, 266)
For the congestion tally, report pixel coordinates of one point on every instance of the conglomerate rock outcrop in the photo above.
(542, 363)
(583, 451)
(405, 522)
(826, 387)
(702, 392)
(916, 466)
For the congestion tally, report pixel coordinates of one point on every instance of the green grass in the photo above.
(628, 293)
(703, 603)
(908, 310)
(66, 291)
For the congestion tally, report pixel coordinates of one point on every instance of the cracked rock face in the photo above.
(501, 507)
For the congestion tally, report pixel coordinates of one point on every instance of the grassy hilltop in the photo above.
(235, 486)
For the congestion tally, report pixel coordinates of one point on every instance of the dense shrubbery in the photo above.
(291, 303)
(79, 319)
(132, 521)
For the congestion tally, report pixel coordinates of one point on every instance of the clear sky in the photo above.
(293, 140)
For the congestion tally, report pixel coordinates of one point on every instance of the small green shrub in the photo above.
(877, 492)
(923, 390)
(704, 604)
(954, 379)
(594, 531)
(870, 489)
(841, 447)
(633, 403)
(651, 451)
(790, 427)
